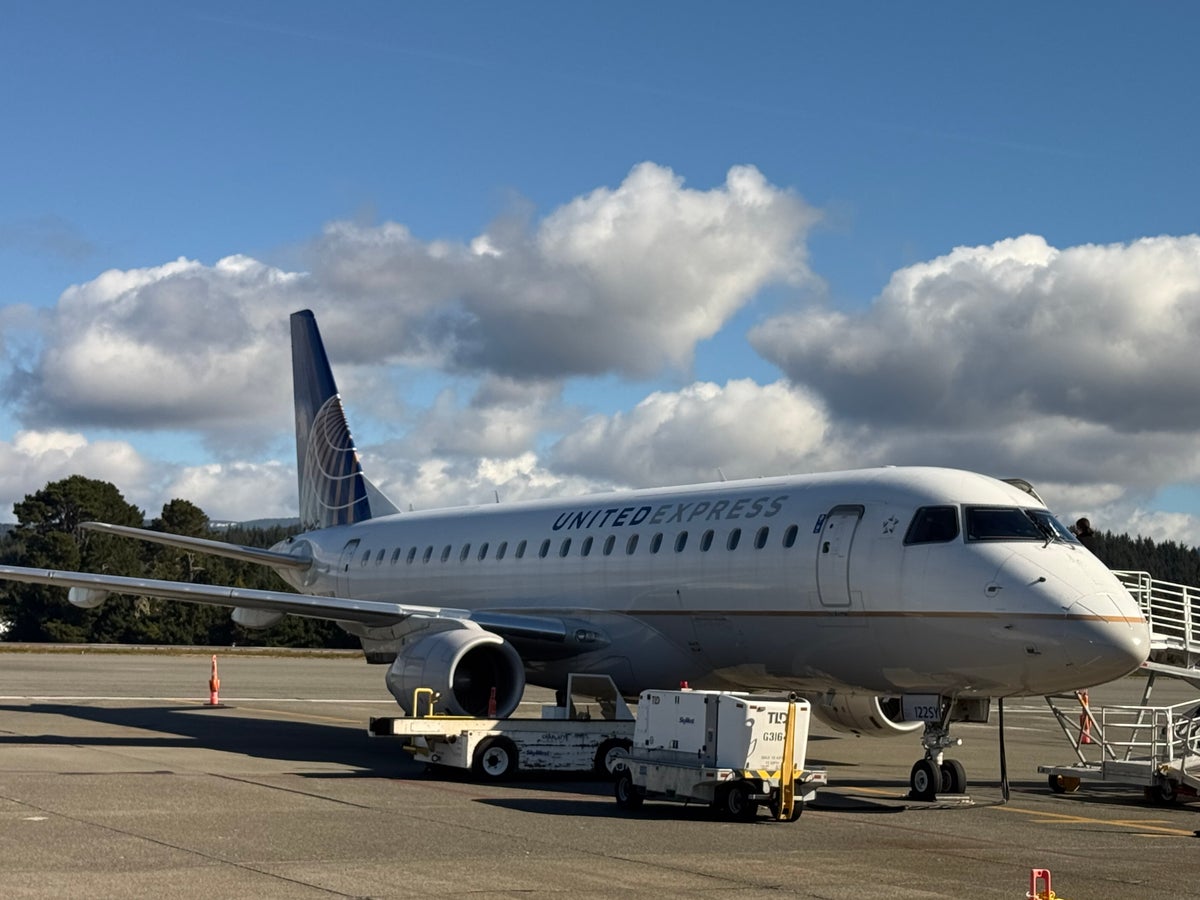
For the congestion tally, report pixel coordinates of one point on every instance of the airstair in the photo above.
(1155, 747)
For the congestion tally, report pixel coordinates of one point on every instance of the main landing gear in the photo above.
(935, 773)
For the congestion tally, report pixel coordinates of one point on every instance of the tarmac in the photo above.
(118, 780)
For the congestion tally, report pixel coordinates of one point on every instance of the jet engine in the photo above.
(463, 666)
(859, 714)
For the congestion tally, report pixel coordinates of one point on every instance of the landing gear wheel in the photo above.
(954, 777)
(1065, 784)
(612, 757)
(495, 759)
(738, 804)
(629, 796)
(925, 780)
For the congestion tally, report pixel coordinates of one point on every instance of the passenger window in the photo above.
(933, 525)
(412, 555)
(760, 539)
(789, 536)
(735, 537)
(428, 553)
(379, 557)
(464, 553)
(586, 547)
(521, 550)
(656, 543)
(565, 548)
(545, 549)
(680, 542)
(446, 552)
(395, 556)
(631, 544)
(483, 548)
(609, 543)
(366, 558)
(501, 550)
(706, 540)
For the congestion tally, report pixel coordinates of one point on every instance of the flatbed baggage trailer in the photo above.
(722, 749)
(592, 731)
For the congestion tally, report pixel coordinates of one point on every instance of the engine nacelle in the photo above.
(858, 714)
(463, 666)
(86, 598)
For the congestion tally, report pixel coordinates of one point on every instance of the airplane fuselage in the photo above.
(805, 583)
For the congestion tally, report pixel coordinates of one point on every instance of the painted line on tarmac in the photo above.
(1144, 825)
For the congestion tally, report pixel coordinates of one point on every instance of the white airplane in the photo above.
(895, 598)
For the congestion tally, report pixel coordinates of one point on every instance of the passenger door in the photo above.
(833, 555)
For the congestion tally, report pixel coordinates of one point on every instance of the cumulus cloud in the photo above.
(1003, 333)
(624, 280)
(34, 458)
(238, 491)
(742, 428)
(177, 345)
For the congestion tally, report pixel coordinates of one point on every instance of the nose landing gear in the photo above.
(935, 773)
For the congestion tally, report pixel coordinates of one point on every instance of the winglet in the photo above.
(333, 490)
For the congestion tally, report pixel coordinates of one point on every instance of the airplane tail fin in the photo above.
(333, 489)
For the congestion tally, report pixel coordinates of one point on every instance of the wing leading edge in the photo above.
(372, 613)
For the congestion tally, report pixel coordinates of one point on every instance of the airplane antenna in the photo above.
(497, 493)
(722, 474)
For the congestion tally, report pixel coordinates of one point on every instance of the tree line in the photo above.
(47, 536)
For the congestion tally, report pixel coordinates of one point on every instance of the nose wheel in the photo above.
(928, 779)
(936, 774)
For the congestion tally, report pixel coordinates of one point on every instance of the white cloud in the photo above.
(742, 428)
(1102, 334)
(238, 491)
(623, 280)
(34, 458)
(178, 345)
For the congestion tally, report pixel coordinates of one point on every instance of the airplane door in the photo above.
(343, 570)
(833, 555)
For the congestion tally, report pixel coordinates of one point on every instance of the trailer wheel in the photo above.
(629, 796)
(495, 759)
(1164, 792)
(612, 757)
(738, 804)
(1063, 784)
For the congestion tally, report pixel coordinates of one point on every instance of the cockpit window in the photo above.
(933, 525)
(1009, 523)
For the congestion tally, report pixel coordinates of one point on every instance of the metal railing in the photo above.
(1172, 610)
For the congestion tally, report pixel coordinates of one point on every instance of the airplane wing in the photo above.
(88, 589)
(204, 545)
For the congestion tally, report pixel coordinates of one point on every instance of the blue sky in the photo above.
(885, 135)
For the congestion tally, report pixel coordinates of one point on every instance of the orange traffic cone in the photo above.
(1085, 718)
(214, 684)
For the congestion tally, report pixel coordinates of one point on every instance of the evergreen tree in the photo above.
(45, 537)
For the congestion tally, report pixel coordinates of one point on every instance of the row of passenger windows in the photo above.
(586, 546)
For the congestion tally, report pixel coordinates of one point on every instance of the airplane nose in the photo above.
(1109, 637)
